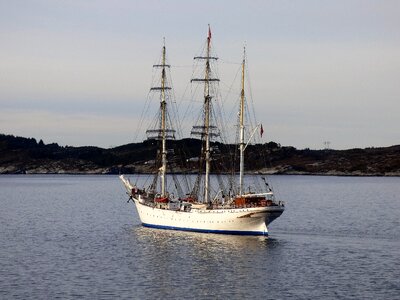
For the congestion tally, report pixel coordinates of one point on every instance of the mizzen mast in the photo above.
(242, 142)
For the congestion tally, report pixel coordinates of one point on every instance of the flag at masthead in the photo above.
(209, 35)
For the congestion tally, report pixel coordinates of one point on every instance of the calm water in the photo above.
(76, 237)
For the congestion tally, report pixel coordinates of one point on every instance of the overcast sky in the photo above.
(78, 72)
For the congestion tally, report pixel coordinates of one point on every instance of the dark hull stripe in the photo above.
(235, 232)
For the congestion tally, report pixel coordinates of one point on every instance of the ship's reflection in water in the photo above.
(174, 263)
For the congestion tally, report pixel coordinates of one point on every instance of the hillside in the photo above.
(19, 155)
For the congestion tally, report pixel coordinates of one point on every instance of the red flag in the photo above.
(209, 35)
(261, 130)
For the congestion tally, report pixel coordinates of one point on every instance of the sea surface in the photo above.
(76, 237)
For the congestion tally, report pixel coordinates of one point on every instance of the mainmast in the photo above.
(205, 131)
(242, 143)
(163, 127)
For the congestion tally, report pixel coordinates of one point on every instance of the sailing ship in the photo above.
(235, 212)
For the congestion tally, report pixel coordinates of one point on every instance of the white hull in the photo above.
(243, 221)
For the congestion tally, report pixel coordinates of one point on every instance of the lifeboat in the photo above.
(189, 199)
(161, 200)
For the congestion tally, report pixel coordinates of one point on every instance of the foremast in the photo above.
(207, 100)
(163, 132)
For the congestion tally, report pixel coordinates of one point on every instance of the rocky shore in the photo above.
(20, 155)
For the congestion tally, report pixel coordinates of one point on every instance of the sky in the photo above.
(77, 72)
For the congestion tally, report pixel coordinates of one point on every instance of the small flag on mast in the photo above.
(261, 130)
(209, 35)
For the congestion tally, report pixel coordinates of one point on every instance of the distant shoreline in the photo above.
(332, 174)
(20, 155)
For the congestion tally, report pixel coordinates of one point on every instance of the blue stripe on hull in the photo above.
(236, 232)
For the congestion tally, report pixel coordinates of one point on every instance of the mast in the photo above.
(163, 127)
(242, 143)
(207, 100)
(207, 130)
(162, 133)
